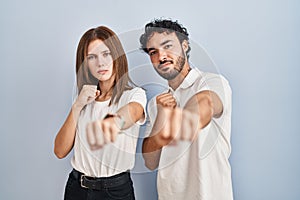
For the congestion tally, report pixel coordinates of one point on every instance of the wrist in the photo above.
(119, 120)
(77, 106)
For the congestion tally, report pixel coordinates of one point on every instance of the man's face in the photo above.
(166, 54)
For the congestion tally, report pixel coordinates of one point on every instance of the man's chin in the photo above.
(168, 76)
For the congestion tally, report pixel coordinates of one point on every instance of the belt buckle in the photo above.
(81, 181)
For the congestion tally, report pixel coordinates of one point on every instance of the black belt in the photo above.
(103, 182)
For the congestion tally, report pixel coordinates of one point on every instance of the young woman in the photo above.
(103, 124)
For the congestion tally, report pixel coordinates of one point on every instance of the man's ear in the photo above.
(185, 45)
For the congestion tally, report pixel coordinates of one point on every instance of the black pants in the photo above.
(74, 190)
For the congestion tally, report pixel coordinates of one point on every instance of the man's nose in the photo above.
(162, 55)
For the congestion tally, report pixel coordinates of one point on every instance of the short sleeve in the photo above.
(219, 85)
(138, 95)
(152, 112)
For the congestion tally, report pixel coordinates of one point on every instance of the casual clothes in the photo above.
(112, 159)
(198, 170)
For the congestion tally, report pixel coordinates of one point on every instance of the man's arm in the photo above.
(197, 113)
(153, 144)
(206, 104)
(151, 153)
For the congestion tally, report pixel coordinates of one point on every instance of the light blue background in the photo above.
(255, 44)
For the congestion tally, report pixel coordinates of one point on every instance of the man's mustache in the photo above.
(161, 62)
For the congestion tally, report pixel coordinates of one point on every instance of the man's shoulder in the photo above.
(209, 77)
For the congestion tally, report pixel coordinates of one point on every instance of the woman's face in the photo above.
(100, 61)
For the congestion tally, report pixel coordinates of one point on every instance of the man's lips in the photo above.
(164, 64)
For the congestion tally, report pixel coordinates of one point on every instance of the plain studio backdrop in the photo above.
(255, 44)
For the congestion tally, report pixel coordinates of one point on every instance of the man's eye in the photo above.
(151, 53)
(168, 46)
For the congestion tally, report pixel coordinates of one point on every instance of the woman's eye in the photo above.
(91, 57)
(106, 54)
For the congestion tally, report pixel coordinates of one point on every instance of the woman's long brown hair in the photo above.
(122, 81)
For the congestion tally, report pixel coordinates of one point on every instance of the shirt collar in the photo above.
(189, 79)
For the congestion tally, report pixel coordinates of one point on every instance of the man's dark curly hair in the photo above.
(161, 26)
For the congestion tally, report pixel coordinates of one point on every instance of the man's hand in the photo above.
(174, 124)
(166, 100)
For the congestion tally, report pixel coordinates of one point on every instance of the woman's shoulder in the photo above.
(134, 93)
(135, 90)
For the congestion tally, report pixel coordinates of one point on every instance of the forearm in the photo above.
(151, 153)
(131, 113)
(64, 140)
(206, 105)
(203, 111)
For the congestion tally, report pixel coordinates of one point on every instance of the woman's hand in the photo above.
(87, 95)
(103, 132)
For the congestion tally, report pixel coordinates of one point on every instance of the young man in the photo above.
(189, 130)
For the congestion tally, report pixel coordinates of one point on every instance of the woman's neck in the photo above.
(106, 90)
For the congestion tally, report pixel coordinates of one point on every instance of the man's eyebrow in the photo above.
(161, 44)
(165, 42)
(151, 49)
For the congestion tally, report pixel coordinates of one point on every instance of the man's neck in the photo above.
(174, 83)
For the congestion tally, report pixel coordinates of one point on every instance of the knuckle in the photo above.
(105, 123)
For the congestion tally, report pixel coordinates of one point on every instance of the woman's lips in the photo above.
(102, 71)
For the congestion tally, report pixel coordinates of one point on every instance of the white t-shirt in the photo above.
(198, 170)
(115, 157)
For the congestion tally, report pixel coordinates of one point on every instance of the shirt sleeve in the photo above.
(138, 95)
(219, 85)
(152, 112)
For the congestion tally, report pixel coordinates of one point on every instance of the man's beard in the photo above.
(174, 72)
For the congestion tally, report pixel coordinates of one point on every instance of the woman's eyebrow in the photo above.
(105, 51)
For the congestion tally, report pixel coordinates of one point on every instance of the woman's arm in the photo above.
(131, 113)
(104, 131)
(65, 138)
